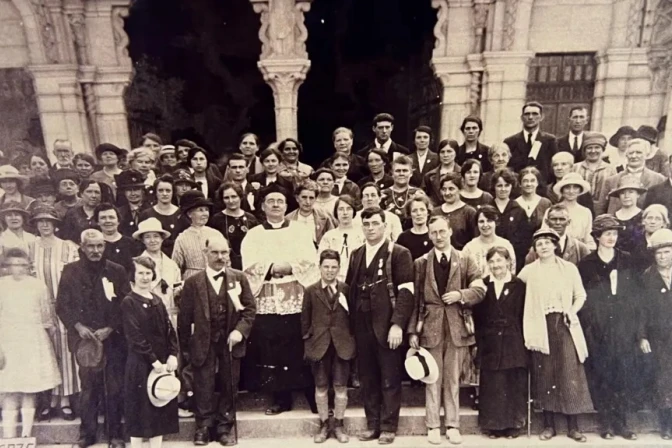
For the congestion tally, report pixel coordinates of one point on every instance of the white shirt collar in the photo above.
(563, 241)
(534, 134)
(385, 146)
(374, 249)
(211, 272)
(341, 181)
(276, 225)
(438, 253)
(334, 284)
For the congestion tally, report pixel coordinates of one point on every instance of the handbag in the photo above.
(468, 319)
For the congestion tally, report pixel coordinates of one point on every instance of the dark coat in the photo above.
(564, 144)
(214, 183)
(357, 170)
(499, 327)
(322, 324)
(431, 184)
(660, 194)
(195, 310)
(394, 148)
(382, 312)
(431, 162)
(511, 221)
(350, 188)
(81, 299)
(481, 154)
(520, 152)
(385, 182)
(127, 223)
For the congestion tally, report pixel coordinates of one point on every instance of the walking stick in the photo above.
(107, 404)
(529, 404)
(233, 397)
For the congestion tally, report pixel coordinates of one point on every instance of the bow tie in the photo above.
(218, 276)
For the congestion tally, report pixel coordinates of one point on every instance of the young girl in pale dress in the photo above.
(27, 360)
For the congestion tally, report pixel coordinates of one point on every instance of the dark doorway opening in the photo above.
(196, 72)
(368, 56)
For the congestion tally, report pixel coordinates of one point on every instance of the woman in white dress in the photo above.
(49, 255)
(581, 225)
(26, 317)
(345, 238)
(14, 219)
(487, 219)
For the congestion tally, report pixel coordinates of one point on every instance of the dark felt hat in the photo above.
(606, 222)
(623, 130)
(648, 133)
(100, 149)
(129, 179)
(185, 176)
(89, 353)
(272, 188)
(13, 206)
(65, 173)
(192, 199)
(41, 185)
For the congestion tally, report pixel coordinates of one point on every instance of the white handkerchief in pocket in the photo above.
(108, 287)
(234, 293)
(534, 152)
(343, 302)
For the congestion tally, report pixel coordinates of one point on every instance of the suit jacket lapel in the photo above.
(358, 263)
(203, 293)
(430, 272)
(454, 267)
(322, 295)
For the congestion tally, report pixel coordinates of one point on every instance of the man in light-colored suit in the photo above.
(446, 283)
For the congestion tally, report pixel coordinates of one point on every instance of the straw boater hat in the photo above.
(660, 238)
(606, 222)
(623, 130)
(627, 182)
(162, 388)
(13, 206)
(44, 212)
(546, 233)
(421, 366)
(571, 179)
(192, 199)
(103, 147)
(150, 225)
(166, 149)
(8, 172)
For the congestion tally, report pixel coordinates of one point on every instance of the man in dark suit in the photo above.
(131, 185)
(329, 343)
(661, 193)
(377, 270)
(532, 146)
(89, 305)
(446, 281)
(237, 172)
(424, 159)
(217, 310)
(383, 125)
(571, 143)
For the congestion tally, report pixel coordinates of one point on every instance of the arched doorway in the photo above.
(367, 56)
(196, 72)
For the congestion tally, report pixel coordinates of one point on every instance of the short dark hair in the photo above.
(383, 155)
(448, 142)
(185, 143)
(383, 117)
(299, 146)
(103, 207)
(247, 134)
(532, 104)
(88, 158)
(455, 178)
(86, 183)
(418, 198)
(330, 254)
(144, 261)
(506, 174)
(371, 185)
(336, 156)
(578, 108)
(346, 198)
(368, 213)
(151, 136)
(469, 164)
(307, 184)
(426, 130)
(195, 150)
(317, 173)
(530, 170)
(236, 156)
(403, 160)
(490, 213)
(166, 179)
(472, 119)
(229, 185)
(268, 152)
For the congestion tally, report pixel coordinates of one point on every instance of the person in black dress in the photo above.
(119, 248)
(165, 210)
(152, 344)
(502, 355)
(416, 239)
(378, 164)
(610, 328)
(233, 222)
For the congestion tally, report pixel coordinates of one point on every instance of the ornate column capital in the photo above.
(282, 33)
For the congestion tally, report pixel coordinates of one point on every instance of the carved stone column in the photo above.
(283, 61)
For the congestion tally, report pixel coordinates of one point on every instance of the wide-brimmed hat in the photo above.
(192, 199)
(129, 179)
(44, 211)
(593, 138)
(660, 238)
(65, 173)
(571, 179)
(8, 172)
(162, 388)
(648, 133)
(184, 176)
(546, 233)
(606, 222)
(103, 147)
(421, 366)
(150, 225)
(13, 206)
(627, 182)
(89, 353)
(623, 130)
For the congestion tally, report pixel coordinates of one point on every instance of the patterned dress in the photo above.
(188, 250)
(48, 262)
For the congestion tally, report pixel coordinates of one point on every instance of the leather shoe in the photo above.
(368, 434)
(276, 409)
(339, 432)
(116, 443)
(607, 435)
(85, 442)
(628, 435)
(323, 434)
(227, 439)
(547, 434)
(666, 434)
(577, 436)
(386, 438)
(201, 437)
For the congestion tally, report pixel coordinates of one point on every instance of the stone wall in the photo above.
(13, 46)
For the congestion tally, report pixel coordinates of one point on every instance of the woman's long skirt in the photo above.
(275, 354)
(558, 380)
(502, 399)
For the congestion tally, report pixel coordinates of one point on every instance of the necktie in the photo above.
(336, 190)
(575, 147)
(345, 247)
(444, 261)
(529, 140)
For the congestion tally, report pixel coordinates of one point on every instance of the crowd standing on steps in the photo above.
(535, 270)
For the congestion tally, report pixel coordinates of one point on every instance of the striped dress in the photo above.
(48, 262)
(188, 251)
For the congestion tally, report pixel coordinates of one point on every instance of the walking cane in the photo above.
(529, 404)
(107, 405)
(233, 397)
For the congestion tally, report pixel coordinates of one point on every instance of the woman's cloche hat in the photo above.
(8, 172)
(546, 233)
(571, 179)
(627, 182)
(623, 130)
(13, 206)
(150, 225)
(105, 147)
(606, 222)
(44, 212)
(421, 366)
(660, 238)
(162, 388)
(192, 199)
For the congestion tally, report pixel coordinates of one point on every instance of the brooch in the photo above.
(117, 250)
(232, 228)
(663, 290)
(172, 226)
(425, 243)
(506, 292)
(144, 305)
(244, 228)
(511, 218)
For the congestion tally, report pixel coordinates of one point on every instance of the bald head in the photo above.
(217, 252)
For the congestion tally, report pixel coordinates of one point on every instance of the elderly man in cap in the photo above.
(280, 261)
(217, 310)
(108, 155)
(89, 305)
(447, 283)
(635, 155)
(131, 184)
(594, 169)
(570, 249)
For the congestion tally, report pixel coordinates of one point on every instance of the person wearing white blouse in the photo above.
(345, 238)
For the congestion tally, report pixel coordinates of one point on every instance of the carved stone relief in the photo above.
(47, 31)
(283, 32)
(119, 13)
(441, 27)
(510, 15)
(660, 55)
(78, 28)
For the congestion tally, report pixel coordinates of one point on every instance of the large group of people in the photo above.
(536, 270)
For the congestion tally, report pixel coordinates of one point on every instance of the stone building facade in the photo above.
(64, 64)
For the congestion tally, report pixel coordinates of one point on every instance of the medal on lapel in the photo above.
(380, 268)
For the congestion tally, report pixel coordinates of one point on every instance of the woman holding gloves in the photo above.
(152, 344)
